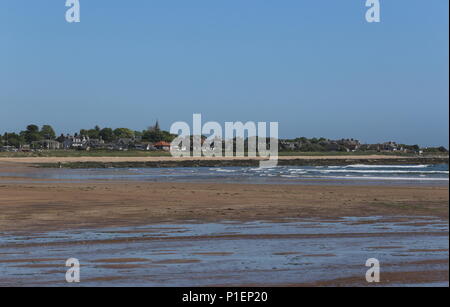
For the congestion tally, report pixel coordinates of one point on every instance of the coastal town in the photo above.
(35, 139)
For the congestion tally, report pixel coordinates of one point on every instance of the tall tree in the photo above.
(152, 135)
(124, 133)
(93, 133)
(13, 139)
(31, 134)
(47, 132)
(32, 128)
(83, 132)
(61, 138)
(107, 134)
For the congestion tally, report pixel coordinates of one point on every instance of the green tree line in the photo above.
(34, 133)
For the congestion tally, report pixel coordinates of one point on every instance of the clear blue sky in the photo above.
(315, 66)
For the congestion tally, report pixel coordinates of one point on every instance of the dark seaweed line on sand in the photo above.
(242, 163)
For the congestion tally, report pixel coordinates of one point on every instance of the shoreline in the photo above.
(157, 162)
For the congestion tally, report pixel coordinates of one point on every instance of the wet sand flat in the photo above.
(41, 206)
(260, 254)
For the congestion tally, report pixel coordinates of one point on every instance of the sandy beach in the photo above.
(126, 231)
(52, 205)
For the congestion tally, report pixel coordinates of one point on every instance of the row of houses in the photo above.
(325, 144)
(86, 143)
(348, 145)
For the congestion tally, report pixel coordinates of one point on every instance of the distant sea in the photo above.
(349, 174)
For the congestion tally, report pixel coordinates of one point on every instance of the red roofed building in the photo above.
(162, 145)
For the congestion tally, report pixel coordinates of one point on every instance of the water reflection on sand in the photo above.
(232, 253)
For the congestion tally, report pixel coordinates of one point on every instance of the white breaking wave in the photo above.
(381, 171)
(350, 172)
(388, 178)
(383, 166)
(225, 170)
